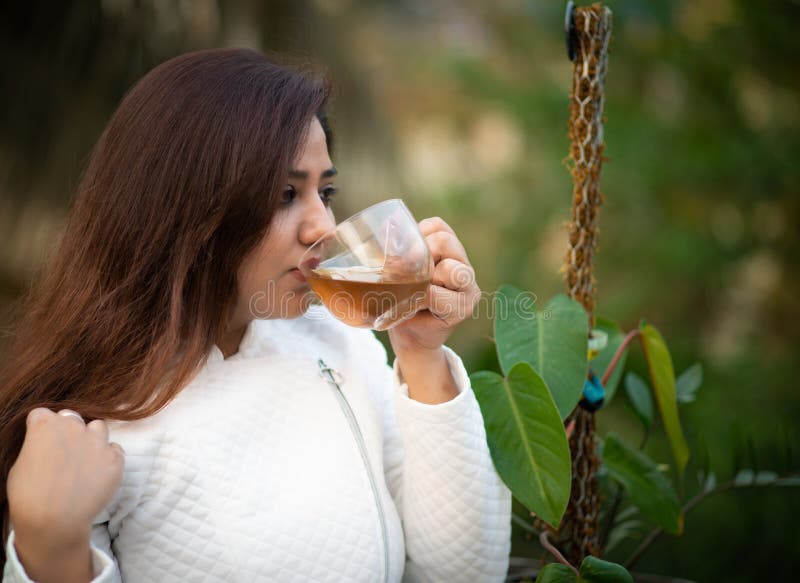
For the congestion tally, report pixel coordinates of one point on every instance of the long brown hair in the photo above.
(182, 184)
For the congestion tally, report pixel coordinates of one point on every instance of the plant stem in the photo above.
(653, 536)
(554, 551)
(519, 521)
(612, 365)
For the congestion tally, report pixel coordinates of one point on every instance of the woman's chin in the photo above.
(300, 304)
(291, 304)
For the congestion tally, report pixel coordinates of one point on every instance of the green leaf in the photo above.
(602, 360)
(765, 477)
(556, 573)
(650, 490)
(662, 379)
(594, 570)
(526, 438)
(641, 399)
(751, 478)
(620, 532)
(736, 444)
(751, 452)
(701, 454)
(688, 383)
(710, 482)
(788, 481)
(553, 341)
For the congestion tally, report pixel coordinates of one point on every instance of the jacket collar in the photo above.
(263, 337)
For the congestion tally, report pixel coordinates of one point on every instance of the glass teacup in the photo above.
(373, 270)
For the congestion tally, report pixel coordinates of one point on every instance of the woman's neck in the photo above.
(230, 341)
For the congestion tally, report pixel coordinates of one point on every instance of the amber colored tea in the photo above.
(368, 297)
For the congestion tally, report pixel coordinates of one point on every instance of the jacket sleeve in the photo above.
(455, 509)
(104, 566)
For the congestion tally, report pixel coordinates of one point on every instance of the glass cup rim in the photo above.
(356, 215)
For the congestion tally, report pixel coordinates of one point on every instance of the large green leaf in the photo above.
(553, 341)
(526, 438)
(650, 490)
(602, 360)
(594, 570)
(556, 573)
(687, 384)
(641, 398)
(662, 379)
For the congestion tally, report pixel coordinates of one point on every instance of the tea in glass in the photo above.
(374, 269)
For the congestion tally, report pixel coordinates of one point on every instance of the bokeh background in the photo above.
(460, 107)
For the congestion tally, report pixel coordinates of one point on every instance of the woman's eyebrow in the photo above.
(302, 174)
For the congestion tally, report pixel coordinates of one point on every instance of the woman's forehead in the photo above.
(313, 157)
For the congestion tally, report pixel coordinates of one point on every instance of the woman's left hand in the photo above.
(451, 296)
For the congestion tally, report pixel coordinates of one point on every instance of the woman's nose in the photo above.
(318, 222)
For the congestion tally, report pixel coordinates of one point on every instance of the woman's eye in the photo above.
(288, 195)
(327, 193)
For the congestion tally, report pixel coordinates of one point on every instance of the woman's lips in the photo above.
(297, 274)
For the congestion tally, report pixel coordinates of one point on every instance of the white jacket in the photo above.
(262, 470)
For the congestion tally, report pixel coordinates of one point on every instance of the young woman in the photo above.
(157, 423)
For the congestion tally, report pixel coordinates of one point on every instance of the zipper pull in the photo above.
(329, 374)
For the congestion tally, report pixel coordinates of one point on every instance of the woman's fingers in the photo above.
(65, 467)
(433, 224)
(451, 307)
(454, 275)
(69, 413)
(444, 245)
(99, 428)
(41, 415)
(37, 416)
(117, 447)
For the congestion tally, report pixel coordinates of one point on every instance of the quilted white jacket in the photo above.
(261, 469)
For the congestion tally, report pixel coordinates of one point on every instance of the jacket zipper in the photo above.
(334, 378)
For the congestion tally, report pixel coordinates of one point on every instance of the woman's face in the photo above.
(270, 286)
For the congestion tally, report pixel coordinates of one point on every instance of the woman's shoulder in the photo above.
(272, 352)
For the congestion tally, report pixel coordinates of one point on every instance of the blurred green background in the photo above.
(461, 109)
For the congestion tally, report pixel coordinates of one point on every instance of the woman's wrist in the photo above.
(427, 375)
(46, 558)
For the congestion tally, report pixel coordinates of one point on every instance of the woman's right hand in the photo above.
(65, 475)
